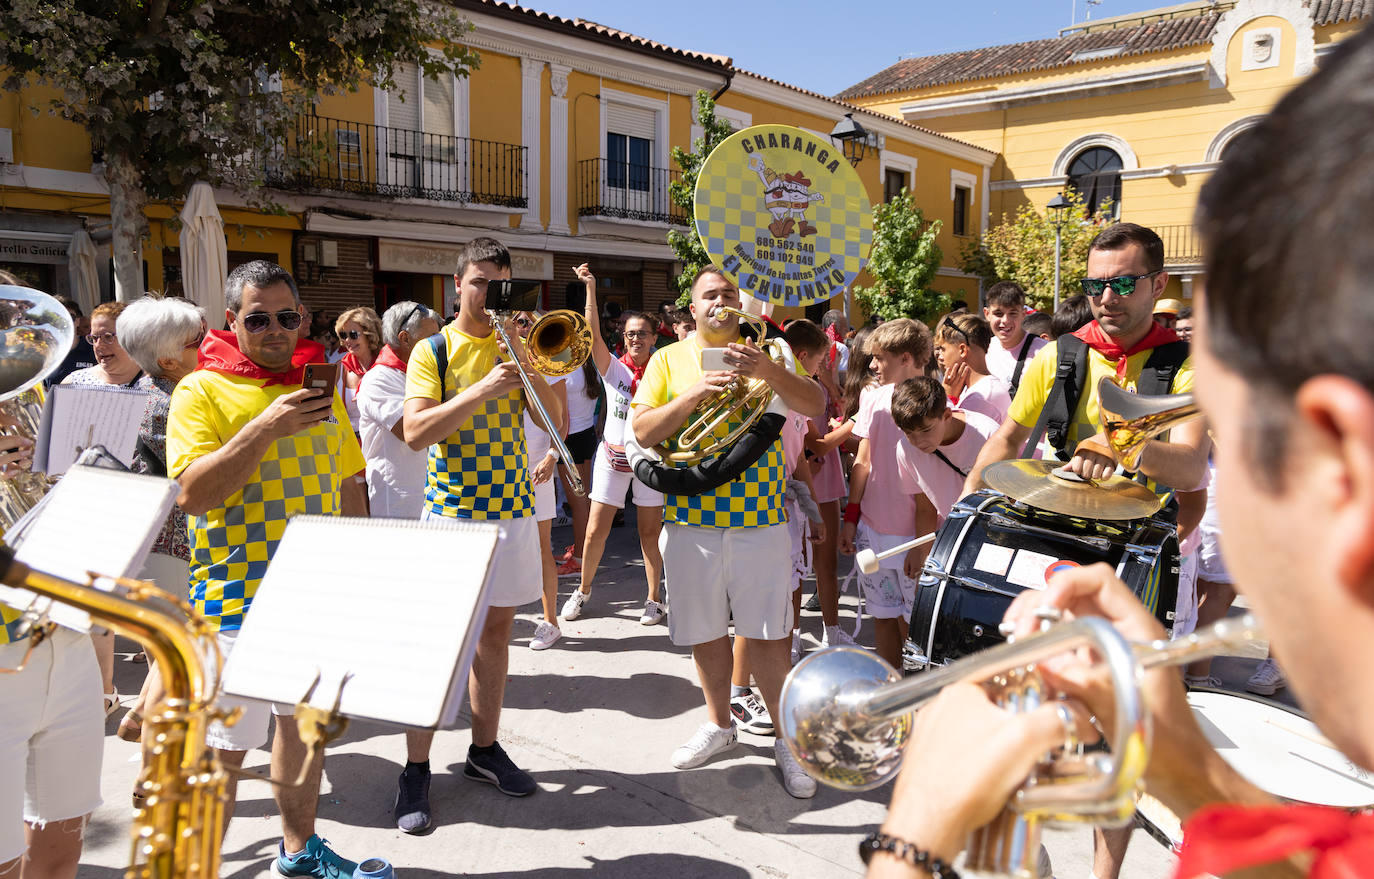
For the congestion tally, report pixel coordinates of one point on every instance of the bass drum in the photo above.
(1274, 747)
(992, 548)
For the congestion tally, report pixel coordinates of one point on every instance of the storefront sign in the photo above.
(433, 258)
(21, 250)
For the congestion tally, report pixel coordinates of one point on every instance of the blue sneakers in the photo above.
(318, 860)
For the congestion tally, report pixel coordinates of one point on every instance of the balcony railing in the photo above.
(627, 192)
(335, 155)
(1182, 246)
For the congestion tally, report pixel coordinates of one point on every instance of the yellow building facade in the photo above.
(1140, 108)
(558, 144)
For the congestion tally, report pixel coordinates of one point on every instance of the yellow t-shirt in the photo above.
(481, 470)
(1087, 418)
(754, 499)
(232, 543)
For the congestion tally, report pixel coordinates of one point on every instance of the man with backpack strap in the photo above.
(1057, 396)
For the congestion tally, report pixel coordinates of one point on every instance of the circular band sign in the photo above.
(784, 214)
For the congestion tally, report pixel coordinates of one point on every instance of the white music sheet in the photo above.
(389, 609)
(76, 417)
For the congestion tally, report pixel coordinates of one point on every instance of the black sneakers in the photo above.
(412, 801)
(491, 765)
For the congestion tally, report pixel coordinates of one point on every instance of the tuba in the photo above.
(35, 335)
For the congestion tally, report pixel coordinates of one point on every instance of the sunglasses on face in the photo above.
(195, 343)
(96, 338)
(949, 322)
(258, 321)
(1122, 286)
(351, 335)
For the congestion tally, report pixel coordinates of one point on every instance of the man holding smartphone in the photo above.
(726, 553)
(250, 448)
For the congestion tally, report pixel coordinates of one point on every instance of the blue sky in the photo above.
(828, 45)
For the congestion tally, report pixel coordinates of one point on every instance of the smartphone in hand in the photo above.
(713, 360)
(321, 377)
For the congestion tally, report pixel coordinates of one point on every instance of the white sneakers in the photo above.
(653, 613)
(544, 635)
(794, 778)
(708, 741)
(1267, 679)
(572, 608)
(796, 646)
(835, 636)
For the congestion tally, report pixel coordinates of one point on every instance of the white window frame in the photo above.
(898, 162)
(738, 119)
(658, 200)
(386, 174)
(963, 179)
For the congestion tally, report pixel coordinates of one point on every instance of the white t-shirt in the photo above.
(395, 471)
(618, 381)
(923, 472)
(537, 442)
(581, 408)
(1002, 363)
(989, 396)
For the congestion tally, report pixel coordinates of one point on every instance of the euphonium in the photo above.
(35, 335)
(176, 835)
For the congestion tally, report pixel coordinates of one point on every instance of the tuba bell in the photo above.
(35, 335)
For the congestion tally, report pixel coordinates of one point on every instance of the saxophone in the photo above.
(176, 835)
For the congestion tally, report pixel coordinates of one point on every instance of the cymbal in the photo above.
(1039, 484)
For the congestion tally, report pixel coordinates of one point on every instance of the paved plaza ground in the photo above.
(594, 719)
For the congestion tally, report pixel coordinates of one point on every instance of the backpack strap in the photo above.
(439, 346)
(1157, 377)
(1069, 375)
(1020, 364)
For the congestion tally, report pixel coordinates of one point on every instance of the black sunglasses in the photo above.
(348, 334)
(1122, 286)
(949, 322)
(258, 321)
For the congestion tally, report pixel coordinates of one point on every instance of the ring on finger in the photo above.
(1071, 741)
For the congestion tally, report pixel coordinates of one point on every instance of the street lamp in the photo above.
(1057, 206)
(851, 138)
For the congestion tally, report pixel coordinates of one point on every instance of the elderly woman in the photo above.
(162, 336)
(360, 333)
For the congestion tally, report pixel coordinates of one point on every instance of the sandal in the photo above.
(131, 727)
(139, 658)
(111, 702)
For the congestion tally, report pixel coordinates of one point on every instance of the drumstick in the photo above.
(867, 559)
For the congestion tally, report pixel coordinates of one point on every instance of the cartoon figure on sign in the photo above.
(786, 197)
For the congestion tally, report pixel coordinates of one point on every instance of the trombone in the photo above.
(557, 344)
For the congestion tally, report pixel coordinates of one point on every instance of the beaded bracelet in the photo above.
(900, 848)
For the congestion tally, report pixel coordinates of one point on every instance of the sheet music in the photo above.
(76, 417)
(395, 604)
(94, 519)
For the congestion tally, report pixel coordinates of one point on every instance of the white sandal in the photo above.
(111, 702)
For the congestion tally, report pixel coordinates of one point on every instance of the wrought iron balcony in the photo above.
(627, 192)
(335, 155)
(1182, 245)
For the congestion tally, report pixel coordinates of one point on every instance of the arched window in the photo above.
(1096, 174)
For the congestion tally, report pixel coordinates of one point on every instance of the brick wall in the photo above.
(347, 286)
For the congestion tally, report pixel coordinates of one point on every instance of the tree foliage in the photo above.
(902, 263)
(176, 92)
(687, 245)
(1022, 250)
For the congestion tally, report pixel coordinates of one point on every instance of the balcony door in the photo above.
(630, 186)
(421, 152)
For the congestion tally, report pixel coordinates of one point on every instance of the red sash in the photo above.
(1103, 344)
(220, 353)
(1223, 838)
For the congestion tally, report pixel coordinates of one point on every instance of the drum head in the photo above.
(1279, 750)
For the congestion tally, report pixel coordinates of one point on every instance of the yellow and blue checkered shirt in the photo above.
(232, 544)
(754, 499)
(481, 470)
(9, 623)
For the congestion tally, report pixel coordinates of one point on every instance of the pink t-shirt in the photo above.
(828, 478)
(793, 433)
(989, 396)
(885, 508)
(923, 472)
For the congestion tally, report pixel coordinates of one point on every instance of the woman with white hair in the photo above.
(163, 336)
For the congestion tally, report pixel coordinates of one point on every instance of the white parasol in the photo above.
(82, 259)
(204, 254)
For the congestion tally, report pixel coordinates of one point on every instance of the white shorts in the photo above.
(516, 576)
(250, 731)
(545, 504)
(714, 574)
(52, 736)
(888, 592)
(609, 485)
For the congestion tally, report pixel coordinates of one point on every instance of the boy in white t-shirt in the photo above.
(1011, 348)
(961, 347)
(879, 514)
(941, 443)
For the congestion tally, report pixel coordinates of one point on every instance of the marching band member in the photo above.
(725, 551)
(1285, 376)
(468, 414)
(241, 435)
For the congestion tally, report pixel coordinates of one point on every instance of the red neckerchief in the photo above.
(1103, 344)
(220, 353)
(351, 363)
(387, 357)
(636, 372)
(1222, 838)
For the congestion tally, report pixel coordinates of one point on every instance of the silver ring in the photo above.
(1071, 742)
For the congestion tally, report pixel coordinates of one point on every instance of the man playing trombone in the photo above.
(1285, 375)
(726, 552)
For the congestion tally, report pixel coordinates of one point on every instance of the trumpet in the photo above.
(846, 716)
(557, 344)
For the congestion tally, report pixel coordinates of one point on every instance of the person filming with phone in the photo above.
(250, 447)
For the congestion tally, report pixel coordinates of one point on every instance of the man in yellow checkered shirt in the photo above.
(469, 416)
(726, 553)
(250, 448)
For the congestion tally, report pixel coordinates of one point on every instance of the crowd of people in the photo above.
(888, 427)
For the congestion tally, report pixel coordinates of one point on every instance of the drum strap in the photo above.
(1057, 413)
(941, 455)
(439, 345)
(1020, 363)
